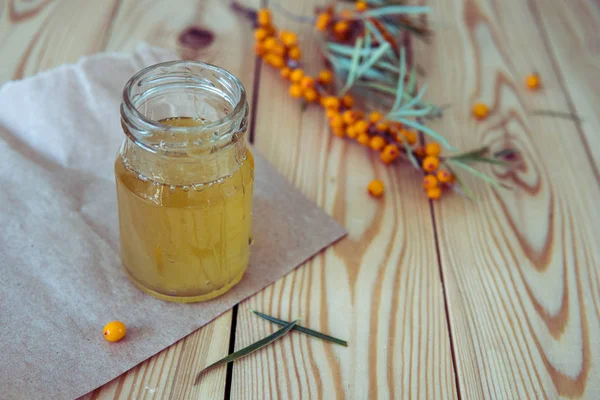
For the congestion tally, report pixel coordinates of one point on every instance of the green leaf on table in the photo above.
(477, 173)
(302, 329)
(250, 349)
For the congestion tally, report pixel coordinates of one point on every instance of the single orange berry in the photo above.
(307, 82)
(361, 6)
(363, 139)
(349, 117)
(288, 38)
(377, 143)
(261, 34)
(296, 90)
(297, 75)
(445, 176)
(431, 163)
(361, 126)
(311, 95)
(336, 121)
(389, 153)
(480, 110)
(375, 117)
(114, 331)
(430, 182)
(434, 193)
(433, 149)
(279, 49)
(323, 21)
(382, 126)
(275, 60)
(533, 81)
(376, 188)
(294, 53)
(351, 132)
(285, 72)
(264, 17)
(338, 131)
(348, 101)
(270, 43)
(409, 136)
(331, 103)
(325, 77)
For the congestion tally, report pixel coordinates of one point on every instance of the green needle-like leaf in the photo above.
(426, 130)
(250, 349)
(394, 10)
(302, 329)
(475, 172)
(400, 88)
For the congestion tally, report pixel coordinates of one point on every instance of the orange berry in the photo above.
(296, 90)
(270, 43)
(375, 117)
(480, 110)
(288, 38)
(349, 117)
(430, 182)
(445, 176)
(361, 126)
(323, 21)
(361, 6)
(285, 72)
(377, 143)
(294, 53)
(434, 193)
(363, 139)
(420, 151)
(331, 103)
(264, 17)
(261, 34)
(433, 149)
(348, 101)
(331, 113)
(311, 95)
(376, 188)
(278, 49)
(431, 163)
(114, 331)
(533, 81)
(275, 60)
(297, 75)
(338, 131)
(336, 121)
(389, 153)
(307, 82)
(351, 132)
(325, 77)
(382, 126)
(409, 136)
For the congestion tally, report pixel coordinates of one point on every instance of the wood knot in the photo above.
(196, 38)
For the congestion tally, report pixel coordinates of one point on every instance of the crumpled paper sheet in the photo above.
(61, 278)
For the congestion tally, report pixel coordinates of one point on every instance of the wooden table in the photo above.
(498, 298)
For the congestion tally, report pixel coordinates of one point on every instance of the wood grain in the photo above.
(379, 289)
(521, 266)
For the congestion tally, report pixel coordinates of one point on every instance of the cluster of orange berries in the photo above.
(436, 178)
(340, 26)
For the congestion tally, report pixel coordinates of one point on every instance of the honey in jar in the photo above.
(185, 178)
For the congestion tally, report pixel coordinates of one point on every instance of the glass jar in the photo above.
(185, 177)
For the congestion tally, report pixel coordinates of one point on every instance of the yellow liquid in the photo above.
(185, 243)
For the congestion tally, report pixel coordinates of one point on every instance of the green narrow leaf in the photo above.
(412, 81)
(462, 189)
(353, 66)
(477, 152)
(475, 172)
(557, 114)
(394, 10)
(302, 329)
(400, 88)
(416, 99)
(376, 55)
(427, 131)
(410, 153)
(250, 349)
(423, 112)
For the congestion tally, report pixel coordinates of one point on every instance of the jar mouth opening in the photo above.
(182, 76)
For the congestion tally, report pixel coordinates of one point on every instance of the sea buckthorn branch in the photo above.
(365, 56)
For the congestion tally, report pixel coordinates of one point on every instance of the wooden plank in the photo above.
(37, 35)
(380, 288)
(521, 266)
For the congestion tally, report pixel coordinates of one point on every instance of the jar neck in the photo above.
(184, 122)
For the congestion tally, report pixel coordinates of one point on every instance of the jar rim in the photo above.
(129, 110)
